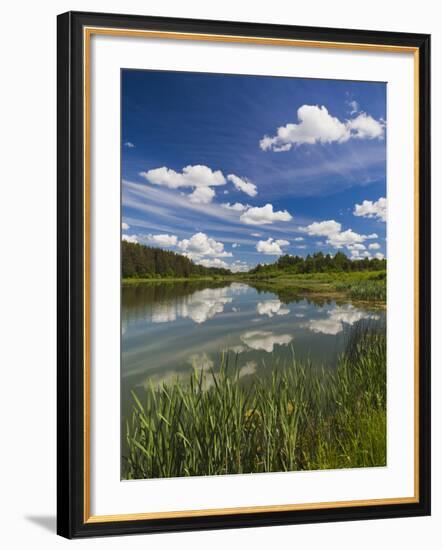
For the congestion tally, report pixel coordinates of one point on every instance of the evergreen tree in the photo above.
(138, 261)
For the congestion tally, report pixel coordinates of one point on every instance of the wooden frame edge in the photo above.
(87, 518)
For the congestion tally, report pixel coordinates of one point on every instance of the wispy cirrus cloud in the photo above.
(175, 210)
(354, 106)
(243, 184)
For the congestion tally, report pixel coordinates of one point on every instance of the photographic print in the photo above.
(228, 354)
(254, 269)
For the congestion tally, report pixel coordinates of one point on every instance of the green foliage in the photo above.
(319, 263)
(301, 419)
(139, 261)
(356, 285)
(365, 290)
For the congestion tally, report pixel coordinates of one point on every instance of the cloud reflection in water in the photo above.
(199, 306)
(338, 316)
(264, 340)
(271, 308)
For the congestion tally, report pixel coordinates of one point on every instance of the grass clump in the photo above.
(301, 418)
(370, 289)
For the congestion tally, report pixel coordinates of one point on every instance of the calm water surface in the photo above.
(168, 329)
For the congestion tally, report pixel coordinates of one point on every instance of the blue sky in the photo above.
(235, 170)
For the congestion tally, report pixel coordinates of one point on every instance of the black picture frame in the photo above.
(71, 396)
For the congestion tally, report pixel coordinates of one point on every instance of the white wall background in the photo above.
(28, 245)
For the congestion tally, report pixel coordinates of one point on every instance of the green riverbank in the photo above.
(368, 286)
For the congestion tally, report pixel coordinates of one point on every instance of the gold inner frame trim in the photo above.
(88, 32)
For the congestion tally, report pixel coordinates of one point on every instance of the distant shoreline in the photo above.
(362, 286)
(134, 281)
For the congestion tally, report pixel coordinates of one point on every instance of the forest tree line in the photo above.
(320, 263)
(139, 261)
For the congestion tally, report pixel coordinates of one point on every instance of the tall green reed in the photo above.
(302, 418)
(367, 290)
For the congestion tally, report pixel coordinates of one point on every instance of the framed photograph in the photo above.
(243, 274)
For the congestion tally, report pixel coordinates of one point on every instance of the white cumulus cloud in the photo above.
(316, 125)
(374, 246)
(271, 247)
(323, 229)
(239, 266)
(357, 254)
(202, 195)
(130, 238)
(212, 262)
(200, 245)
(199, 177)
(243, 184)
(191, 176)
(264, 215)
(370, 209)
(365, 127)
(345, 238)
(163, 239)
(125, 226)
(337, 238)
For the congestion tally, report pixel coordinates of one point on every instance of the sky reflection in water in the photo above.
(168, 329)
